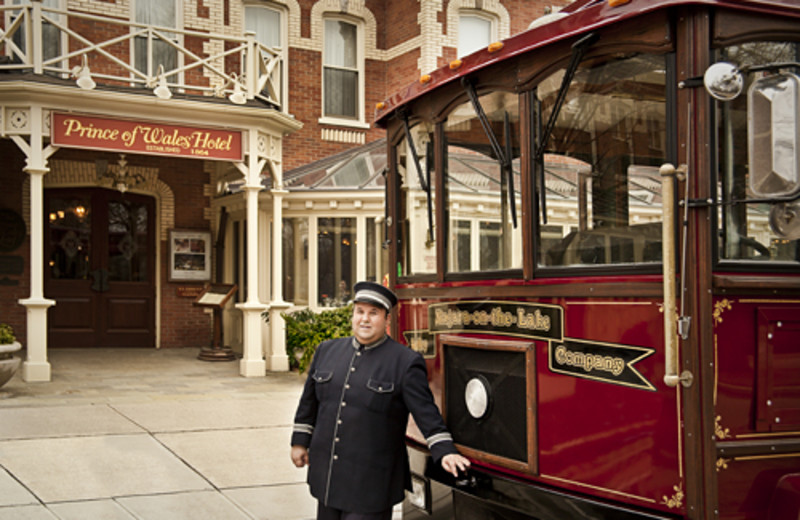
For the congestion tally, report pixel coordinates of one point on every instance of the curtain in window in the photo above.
(161, 13)
(266, 23)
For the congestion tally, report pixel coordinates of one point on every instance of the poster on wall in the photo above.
(189, 255)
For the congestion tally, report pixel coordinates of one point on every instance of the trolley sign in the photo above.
(528, 320)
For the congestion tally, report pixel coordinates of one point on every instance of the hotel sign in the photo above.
(127, 136)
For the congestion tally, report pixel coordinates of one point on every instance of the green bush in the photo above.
(6, 334)
(305, 329)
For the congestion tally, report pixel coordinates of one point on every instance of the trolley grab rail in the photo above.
(671, 354)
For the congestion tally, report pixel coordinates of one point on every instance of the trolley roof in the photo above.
(579, 17)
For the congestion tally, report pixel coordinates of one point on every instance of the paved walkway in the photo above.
(148, 434)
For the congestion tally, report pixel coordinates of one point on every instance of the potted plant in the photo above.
(8, 345)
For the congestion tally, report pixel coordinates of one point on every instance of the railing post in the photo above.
(251, 64)
(34, 26)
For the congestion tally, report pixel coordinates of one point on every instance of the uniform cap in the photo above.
(374, 293)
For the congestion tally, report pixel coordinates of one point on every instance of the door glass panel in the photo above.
(70, 237)
(337, 260)
(127, 241)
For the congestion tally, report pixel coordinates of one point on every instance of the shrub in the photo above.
(6, 334)
(305, 329)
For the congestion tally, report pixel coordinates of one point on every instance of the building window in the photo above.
(295, 260)
(341, 70)
(159, 13)
(475, 31)
(267, 24)
(51, 35)
(336, 241)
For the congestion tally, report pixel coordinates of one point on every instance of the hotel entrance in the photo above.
(100, 258)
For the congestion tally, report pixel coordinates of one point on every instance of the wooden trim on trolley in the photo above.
(750, 448)
(529, 348)
(570, 290)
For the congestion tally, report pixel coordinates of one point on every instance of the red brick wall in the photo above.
(182, 323)
(14, 287)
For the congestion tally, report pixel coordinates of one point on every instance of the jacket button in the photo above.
(335, 457)
(352, 369)
(339, 421)
(344, 404)
(347, 387)
(337, 439)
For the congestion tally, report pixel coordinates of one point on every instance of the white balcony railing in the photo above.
(43, 40)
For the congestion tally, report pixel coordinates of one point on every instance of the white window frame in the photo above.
(284, 44)
(358, 121)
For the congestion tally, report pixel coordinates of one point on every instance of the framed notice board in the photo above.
(216, 295)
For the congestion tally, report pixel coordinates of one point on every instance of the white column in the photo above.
(278, 361)
(252, 363)
(36, 367)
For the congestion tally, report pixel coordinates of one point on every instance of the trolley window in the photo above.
(417, 254)
(601, 181)
(482, 185)
(761, 234)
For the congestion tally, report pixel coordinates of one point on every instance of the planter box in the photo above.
(8, 363)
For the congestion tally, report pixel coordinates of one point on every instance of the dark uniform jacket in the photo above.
(353, 415)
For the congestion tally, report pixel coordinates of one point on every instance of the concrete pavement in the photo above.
(149, 434)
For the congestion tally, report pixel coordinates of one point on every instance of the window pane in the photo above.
(746, 231)
(161, 13)
(336, 239)
(127, 242)
(372, 249)
(51, 35)
(295, 260)
(480, 190)
(601, 164)
(474, 32)
(341, 92)
(461, 246)
(156, 12)
(416, 252)
(70, 237)
(266, 23)
(340, 44)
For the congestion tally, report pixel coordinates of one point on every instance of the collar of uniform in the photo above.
(357, 345)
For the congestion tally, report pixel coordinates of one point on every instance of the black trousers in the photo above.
(327, 513)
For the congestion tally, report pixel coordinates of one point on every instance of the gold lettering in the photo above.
(589, 362)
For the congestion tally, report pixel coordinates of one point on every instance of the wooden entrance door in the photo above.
(100, 268)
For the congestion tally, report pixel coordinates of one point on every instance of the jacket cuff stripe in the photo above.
(304, 428)
(439, 437)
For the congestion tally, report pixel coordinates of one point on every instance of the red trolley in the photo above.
(593, 228)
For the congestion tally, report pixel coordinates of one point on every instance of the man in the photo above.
(351, 421)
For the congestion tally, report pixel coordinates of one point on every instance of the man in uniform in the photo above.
(351, 421)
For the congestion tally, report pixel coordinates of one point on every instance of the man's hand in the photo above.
(454, 462)
(299, 456)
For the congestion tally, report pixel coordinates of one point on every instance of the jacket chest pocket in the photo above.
(322, 383)
(379, 394)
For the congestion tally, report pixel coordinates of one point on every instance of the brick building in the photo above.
(153, 147)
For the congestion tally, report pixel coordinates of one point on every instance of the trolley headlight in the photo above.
(477, 397)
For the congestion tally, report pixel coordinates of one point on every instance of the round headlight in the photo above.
(476, 395)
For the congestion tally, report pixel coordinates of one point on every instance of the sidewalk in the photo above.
(149, 434)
